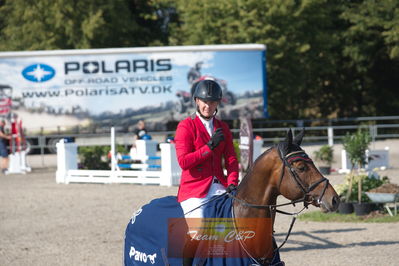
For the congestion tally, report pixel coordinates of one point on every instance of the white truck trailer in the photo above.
(56, 91)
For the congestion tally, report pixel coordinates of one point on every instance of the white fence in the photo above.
(67, 168)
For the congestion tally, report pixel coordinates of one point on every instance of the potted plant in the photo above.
(368, 182)
(325, 156)
(345, 206)
(356, 145)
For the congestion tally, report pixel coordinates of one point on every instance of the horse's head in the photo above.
(300, 177)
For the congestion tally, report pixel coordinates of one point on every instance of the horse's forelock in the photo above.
(295, 147)
(287, 148)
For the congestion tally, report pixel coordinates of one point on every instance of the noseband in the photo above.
(288, 160)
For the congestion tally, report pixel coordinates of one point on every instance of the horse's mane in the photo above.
(259, 158)
(265, 153)
(282, 146)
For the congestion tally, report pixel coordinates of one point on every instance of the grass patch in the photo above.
(375, 217)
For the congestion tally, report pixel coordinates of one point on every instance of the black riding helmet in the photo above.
(208, 90)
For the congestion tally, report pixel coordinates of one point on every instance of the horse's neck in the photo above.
(260, 186)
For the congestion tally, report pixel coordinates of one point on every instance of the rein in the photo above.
(287, 161)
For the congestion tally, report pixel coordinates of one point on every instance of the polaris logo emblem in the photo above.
(38, 73)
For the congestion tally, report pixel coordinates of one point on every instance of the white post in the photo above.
(113, 153)
(171, 171)
(113, 176)
(345, 163)
(344, 160)
(60, 176)
(145, 148)
(14, 163)
(330, 133)
(24, 164)
(67, 159)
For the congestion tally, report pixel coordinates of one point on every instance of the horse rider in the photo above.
(202, 141)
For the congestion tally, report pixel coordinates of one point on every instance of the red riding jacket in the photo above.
(198, 162)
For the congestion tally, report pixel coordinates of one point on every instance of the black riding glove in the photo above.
(216, 138)
(231, 188)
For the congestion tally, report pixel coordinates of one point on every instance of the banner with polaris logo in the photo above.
(154, 84)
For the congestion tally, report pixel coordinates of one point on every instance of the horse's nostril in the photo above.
(335, 202)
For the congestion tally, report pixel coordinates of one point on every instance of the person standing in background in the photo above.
(4, 140)
(139, 132)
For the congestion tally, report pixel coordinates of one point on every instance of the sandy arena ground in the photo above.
(44, 223)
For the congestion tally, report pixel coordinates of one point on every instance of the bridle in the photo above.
(287, 161)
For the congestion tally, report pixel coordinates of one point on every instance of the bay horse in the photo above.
(287, 170)
(284, 169)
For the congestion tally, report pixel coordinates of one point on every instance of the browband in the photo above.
(297, 156)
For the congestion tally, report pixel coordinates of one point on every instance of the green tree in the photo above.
(302, 40)
(356, 145)
(73, 24)
(324, 58)
(371, 44)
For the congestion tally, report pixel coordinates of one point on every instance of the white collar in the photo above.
(208, 124)
(204, 121)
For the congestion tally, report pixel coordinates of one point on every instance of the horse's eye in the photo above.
(301, 168)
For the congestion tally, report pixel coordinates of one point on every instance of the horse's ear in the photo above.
(288, 138)
(286, 144)
(298, 138)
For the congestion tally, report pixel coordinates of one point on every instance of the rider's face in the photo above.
(206, 108)
(141, 124)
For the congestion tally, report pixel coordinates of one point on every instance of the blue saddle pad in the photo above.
(146, 235)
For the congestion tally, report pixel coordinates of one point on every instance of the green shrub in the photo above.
(236, 144)
(96, 157)
(324, 154)
(356, 146)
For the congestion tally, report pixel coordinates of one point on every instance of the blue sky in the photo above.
(241, 69)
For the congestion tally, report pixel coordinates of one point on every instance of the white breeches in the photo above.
(190, 206)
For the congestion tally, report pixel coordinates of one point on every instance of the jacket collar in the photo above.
(200, 126)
